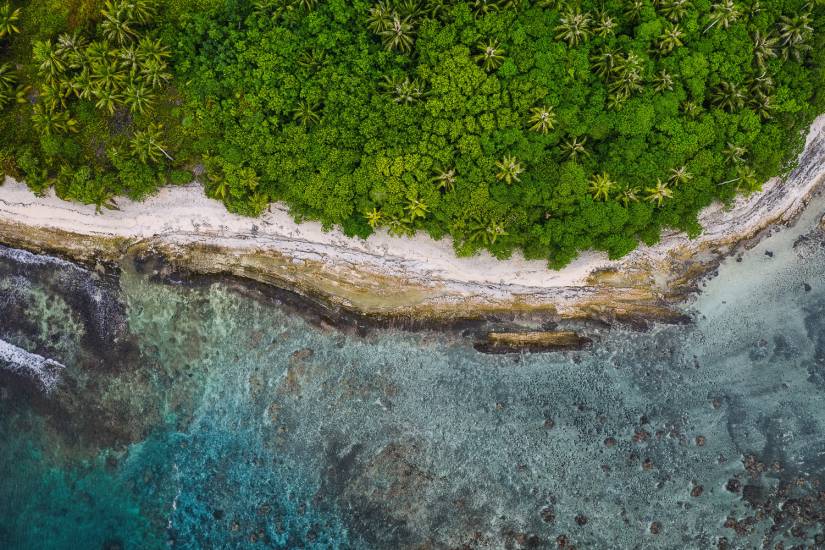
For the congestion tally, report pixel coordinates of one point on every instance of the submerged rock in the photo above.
(515, 342)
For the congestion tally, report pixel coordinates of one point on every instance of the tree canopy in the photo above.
(541, 125)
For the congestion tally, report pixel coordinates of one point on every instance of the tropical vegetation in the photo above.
(545, 126)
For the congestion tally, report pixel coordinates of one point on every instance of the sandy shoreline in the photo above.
(400, 276)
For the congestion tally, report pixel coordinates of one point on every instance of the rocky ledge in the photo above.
(398, 278)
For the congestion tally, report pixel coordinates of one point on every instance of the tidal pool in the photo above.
(206, 415)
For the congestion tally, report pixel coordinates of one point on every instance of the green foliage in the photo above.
(549, 127)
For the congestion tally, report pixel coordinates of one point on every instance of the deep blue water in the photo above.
(208, 416)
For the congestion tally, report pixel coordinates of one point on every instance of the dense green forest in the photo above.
(541, 125)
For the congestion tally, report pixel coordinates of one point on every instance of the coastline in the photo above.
(394, 277)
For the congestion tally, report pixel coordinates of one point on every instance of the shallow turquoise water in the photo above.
(207, 416)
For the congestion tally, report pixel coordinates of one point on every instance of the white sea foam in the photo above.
(29, 258)
(44, 371)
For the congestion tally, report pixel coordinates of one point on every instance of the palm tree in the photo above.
(218, 187)
(615, 101)
(117, 23)
(754, 9)
(573, 148)
(574, 27)
(399, 35)
(107, 100)
(445, 179)
(794, 32)
(154, 72)
(491, 55)
(374, 217)
(542, 119)
(98, 52)
(312, 58)
(663, 81)
(629, 62)
(484, 7)
(728, 96)
(670, 39)
(107, 76)
(245, 178)
(52, 122)
(764, 47)
(7, 76)
(605, 25)
(138, 97)
(724, 13)
(416, 208)
(304, 5)
(7, 82)
(659, 193)
(633, 10)
(8, 20)
(675, 10)
(625, 84)
(762, 105)
(404, 91)
(679, 175)
(50, 62)
(434, 9)
(604, 61)
(485, 233)
(259, 201)
(400, 226)
(147, 145)
(141, 11)
(691, 109)
(306, 113)
(747, 176)
(380, 17)
(628, 195)
(72, 46)
(77, 85)
(734, 154)
(509, 169)
(52, 96)
(601, 185)
(152, 49)
(626, 77)
(761, 84)
(130, 57)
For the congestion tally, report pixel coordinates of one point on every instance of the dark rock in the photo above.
(537, 341)
(581, 520)
(733, 485)
(655, 527)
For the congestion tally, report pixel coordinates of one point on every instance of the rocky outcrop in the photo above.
(516, 342)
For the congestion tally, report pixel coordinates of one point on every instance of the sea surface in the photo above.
(139, 410)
